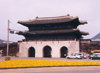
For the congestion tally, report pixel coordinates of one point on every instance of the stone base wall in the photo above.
(72, 46)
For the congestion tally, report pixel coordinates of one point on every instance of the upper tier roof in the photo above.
(51, 20)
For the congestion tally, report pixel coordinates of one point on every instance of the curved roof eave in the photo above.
(48, 20)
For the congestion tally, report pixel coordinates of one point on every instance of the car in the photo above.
(95, 57)
(76, 56)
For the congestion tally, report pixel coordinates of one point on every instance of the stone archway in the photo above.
(47, 51)
(63, 52)
(31, 52)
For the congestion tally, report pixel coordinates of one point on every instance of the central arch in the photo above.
(31, 52)
(63, 52)
(47, 51)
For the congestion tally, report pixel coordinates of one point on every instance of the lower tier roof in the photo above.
(42, 32)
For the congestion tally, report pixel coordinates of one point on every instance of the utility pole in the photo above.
(8, 38)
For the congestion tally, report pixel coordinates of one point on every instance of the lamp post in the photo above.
(8, 38)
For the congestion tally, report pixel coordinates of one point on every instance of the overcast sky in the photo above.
(16, 10)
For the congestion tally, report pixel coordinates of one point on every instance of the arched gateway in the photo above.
(31, 52)
(63, 52)
(47, 51)
(54, 31)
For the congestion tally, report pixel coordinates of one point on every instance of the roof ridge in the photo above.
(56, 17)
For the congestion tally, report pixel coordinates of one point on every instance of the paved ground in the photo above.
(79, 69)
(63, 59)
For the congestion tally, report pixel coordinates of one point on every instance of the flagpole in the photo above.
(8, 39)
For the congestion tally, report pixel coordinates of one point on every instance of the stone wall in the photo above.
(72, 46)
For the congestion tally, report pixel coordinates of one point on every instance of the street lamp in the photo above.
(8, 38)
(9, 31)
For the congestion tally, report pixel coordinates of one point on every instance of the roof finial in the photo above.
(37, 17)
(68, 14)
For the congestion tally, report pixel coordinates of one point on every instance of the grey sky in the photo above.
(15, 10)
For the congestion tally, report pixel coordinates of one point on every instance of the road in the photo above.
(79, 69)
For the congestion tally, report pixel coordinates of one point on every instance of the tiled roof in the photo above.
(53, 32)
(48, 20)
